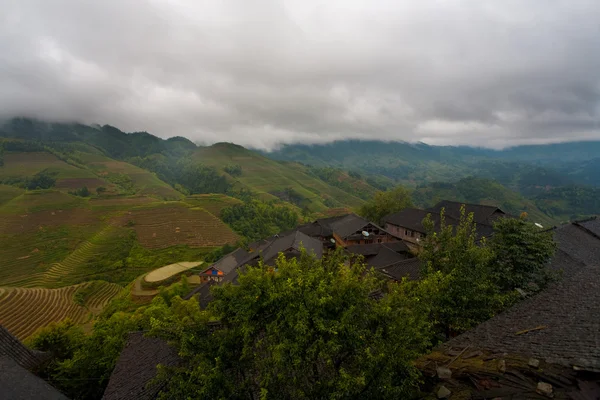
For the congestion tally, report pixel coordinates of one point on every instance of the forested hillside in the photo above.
(414, 163)
(557, 181)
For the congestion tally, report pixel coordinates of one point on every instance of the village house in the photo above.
(224, 266)
(352, 230)
(408, 223)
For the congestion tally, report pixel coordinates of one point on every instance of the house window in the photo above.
(379, 240)
(406, 232)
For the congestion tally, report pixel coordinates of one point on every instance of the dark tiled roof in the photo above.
(12, 348)
(269, 250)
(321, 227)
(566, 314)
(481, 214)
(410, 268)
(385, 257)
(348, 225)
(136, 367)
(295, 240)
(578, 244)
(592, 225)
(412, 218)
(231, 261)
(374, 248)
(17, 383)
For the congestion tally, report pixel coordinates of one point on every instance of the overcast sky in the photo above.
(261, 73)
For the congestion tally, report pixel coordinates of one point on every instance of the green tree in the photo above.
(302, 329)
(385, 203)
(60, 339)
(256, 219)
(521, 254)
(100, 190)
(41, 180)
(458, 284)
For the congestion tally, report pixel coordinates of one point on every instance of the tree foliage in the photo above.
(256, 220)
(81, 365)
(521, 254)
(385, 203)
(303, 329)
(457, 277)
(41, 180)
(234, 170)
(82, 192)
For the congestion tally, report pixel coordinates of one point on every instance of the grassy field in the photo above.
(23, 311)
(271, 178)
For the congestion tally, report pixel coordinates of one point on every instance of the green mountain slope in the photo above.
(273, 179)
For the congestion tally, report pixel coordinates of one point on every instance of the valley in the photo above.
(84, 206)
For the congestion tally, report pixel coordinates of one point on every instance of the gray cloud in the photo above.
(266, 72)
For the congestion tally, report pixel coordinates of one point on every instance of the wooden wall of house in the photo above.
(405, 234)
(384, 238)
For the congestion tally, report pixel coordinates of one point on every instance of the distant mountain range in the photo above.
(574, 162)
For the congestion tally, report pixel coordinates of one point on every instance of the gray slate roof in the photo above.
(385, 257)
(293, 241)
(12, 348)
(136, 367)
(372, 249)
(231, 261)
(321, 227)
(348, 225)
(592, 225)
(411, 218)
(269, 250)
(482, 214)
(409, 268)
(17, 383)
(568, 312)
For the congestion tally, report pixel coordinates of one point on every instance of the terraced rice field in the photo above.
(266, 176)
(7, 193)
(73, 266)
(170, 226)
(145, 182)
(27, 164)
(23, 311)
(76, 183)
(41, 200)
(25, 257)
(17, 224)
(213, 203)
(27, 263)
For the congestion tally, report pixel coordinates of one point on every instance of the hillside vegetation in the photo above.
(290, 182)
(560, 180)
